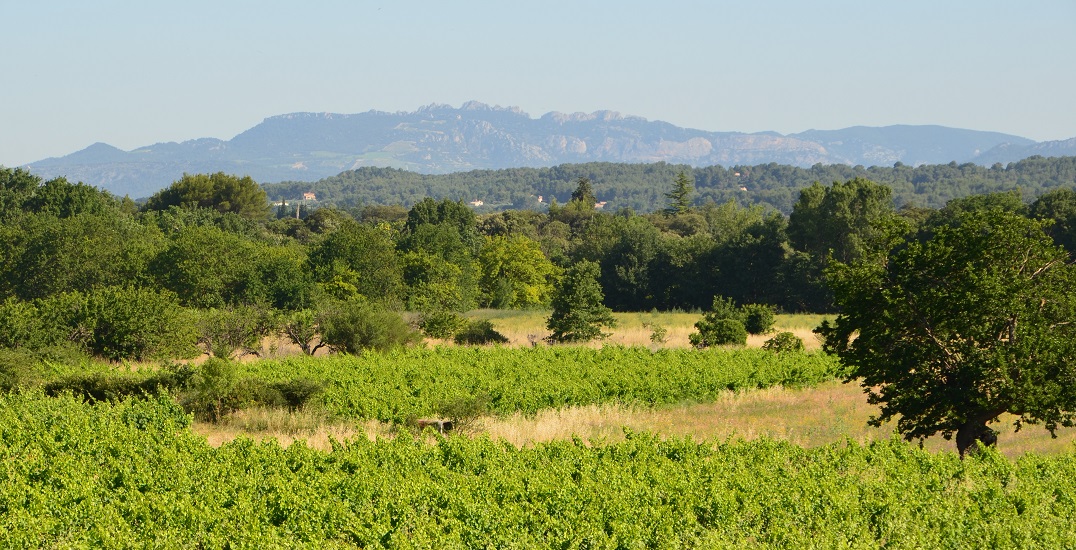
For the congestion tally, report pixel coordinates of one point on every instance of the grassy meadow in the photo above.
(524, 327)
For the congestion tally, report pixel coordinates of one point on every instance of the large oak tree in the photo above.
(952, 329)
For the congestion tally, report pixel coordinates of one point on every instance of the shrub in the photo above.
(783, 342)
(136, 323)
(441, 324)
(19, 368)
(479, 332)
(356, 325)
(658, 334)
(463, 412)
(302, 328)
(757, 318)
(297, 392)
(224, 331)
(719, 332)
(724, 308)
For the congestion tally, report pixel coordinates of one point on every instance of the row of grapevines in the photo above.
(131, 475)
(395, 386)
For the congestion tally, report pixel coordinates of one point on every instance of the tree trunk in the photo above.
(975, 429)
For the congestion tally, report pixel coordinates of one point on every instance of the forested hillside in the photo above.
(640, 187)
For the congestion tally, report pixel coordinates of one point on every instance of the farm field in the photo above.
(809, 417)
(131, 474)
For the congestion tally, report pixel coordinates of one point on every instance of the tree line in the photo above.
(640, 186)
(209, 265)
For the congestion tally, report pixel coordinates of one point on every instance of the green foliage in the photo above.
(514, 273)
(846, 220)
(441, 324)
(412, 382)
(358, 260)
(771, 185)
(220, 191)
(207, 267)
(45, 255)
(464, 411)
(757, 318)
(16, 186)
(578, 313)
(303, 329)
(434, 283)
(225, 331)
(357, 325)
(718, 332)
(19, 368)
(961, 325)
(784, 342)
(479, 332)
(1058, 206)
(130, 475)
(298, 392)
(111, 322)
(584, 193)
(678, 201)
(726, 324)
(112, 386)
(59, 198)
(658, 334)
(136, 323)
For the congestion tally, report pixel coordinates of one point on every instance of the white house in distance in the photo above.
(477, 203)
(309, 196)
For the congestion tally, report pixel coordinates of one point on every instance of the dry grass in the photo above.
(634, 329)
(831, 412)
(315, 428)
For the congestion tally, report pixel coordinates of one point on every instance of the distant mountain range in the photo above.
(440, 139)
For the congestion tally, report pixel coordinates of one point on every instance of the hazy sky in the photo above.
(133, 73)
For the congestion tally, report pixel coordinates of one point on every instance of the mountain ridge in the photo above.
(438, 138)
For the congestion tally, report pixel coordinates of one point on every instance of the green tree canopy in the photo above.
(584, 192)
(578, 313)
(951, 330)
(514, 273)
(678, 200)
(220, 191)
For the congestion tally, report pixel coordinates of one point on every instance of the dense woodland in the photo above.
(640, 186)
(85, 269)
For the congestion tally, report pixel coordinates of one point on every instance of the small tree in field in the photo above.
(950, 330)
(578, 313)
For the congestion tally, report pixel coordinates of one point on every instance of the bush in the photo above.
(100, 386)
(783, 342)
(356, 325)
(757, 318)
(136, 323)
(224, 331)
(479, 332)
(658, 334)
(441, 324)
(463, 412)
(724, 308)
(297, 392)
(19, 368)
(719, 332)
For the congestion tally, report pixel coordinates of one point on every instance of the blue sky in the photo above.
(132, 73)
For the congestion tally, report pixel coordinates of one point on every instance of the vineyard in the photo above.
(404, 384)
(86, 460)
(131, 474)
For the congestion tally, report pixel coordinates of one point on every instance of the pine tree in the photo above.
(679, 199)
(578, 312)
